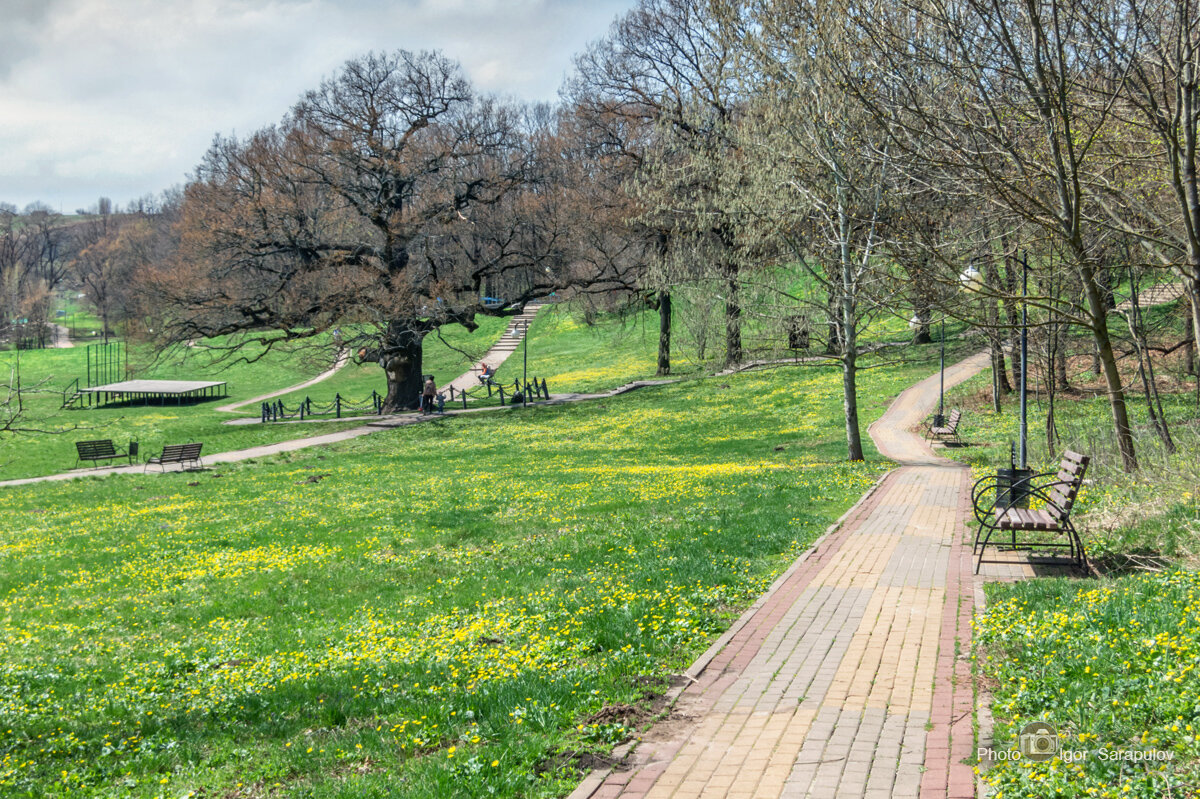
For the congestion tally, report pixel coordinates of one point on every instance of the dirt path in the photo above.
(62, 338)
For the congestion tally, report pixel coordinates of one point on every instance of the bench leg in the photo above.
(1077, 552)
(983, 548)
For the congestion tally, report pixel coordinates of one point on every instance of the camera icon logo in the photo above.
(1038, 741)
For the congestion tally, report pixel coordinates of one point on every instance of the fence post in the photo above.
(375, 399)
(545, 391)
(516, 385)
(464, 399)
(308, 403)
(501, 394)
(489, 385)
(265, 412)
(302, 410)
(338, 399)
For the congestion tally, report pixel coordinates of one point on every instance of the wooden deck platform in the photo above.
(155, 391)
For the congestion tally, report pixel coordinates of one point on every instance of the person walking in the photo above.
(427, 394)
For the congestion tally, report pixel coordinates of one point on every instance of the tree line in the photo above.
(98, 253)
(793, 168)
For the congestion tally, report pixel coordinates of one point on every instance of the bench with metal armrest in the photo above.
(1004, 515)
(183, 454)
(103, 450)
(947, 431)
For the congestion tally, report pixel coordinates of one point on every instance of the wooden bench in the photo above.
(949, 430)
(103, 450)
(183, 454)
(1056, 498)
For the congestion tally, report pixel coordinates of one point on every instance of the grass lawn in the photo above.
(573, 356)
(44, 373)
(1109, 662)
(464, 608)
(1112, 664)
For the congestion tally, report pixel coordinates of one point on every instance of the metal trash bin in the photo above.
(1012, 487)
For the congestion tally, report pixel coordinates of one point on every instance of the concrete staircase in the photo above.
(505, 346)
(513, 335)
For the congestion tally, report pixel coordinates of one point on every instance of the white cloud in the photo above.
(121, 97)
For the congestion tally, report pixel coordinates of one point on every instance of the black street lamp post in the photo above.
(1024, 362)
(1013, 483)
(940, 419)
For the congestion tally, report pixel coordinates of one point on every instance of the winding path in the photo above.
(843, 680)
(342, 359)
(62, 337)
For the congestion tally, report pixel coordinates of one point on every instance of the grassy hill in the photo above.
(475, 607)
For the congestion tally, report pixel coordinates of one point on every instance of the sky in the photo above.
(120, 98)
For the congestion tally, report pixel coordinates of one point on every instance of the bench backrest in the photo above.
(1069, 479)
(955, 415)
(181, 452)
(95, 449)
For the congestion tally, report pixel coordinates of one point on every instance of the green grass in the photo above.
(462, 608)
(573, 356)
(1112, 666)
(44, 373)
(1108, 662)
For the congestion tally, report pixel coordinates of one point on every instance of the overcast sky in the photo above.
(120, 98)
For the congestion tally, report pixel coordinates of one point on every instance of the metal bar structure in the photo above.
(1024, 449)
(942, 375)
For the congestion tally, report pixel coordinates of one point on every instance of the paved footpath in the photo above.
(846, 679)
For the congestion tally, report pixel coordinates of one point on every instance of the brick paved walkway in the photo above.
(846, 679)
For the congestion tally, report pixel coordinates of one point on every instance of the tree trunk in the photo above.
(1098, 309)
(854, 447)
(1193, 298)
(1146, 367)
(1060, 359)
(400, 358)
(1002, 382)
(664, 333)
(733, 320)
(922, 335)
(849, 309)
(833, 340)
